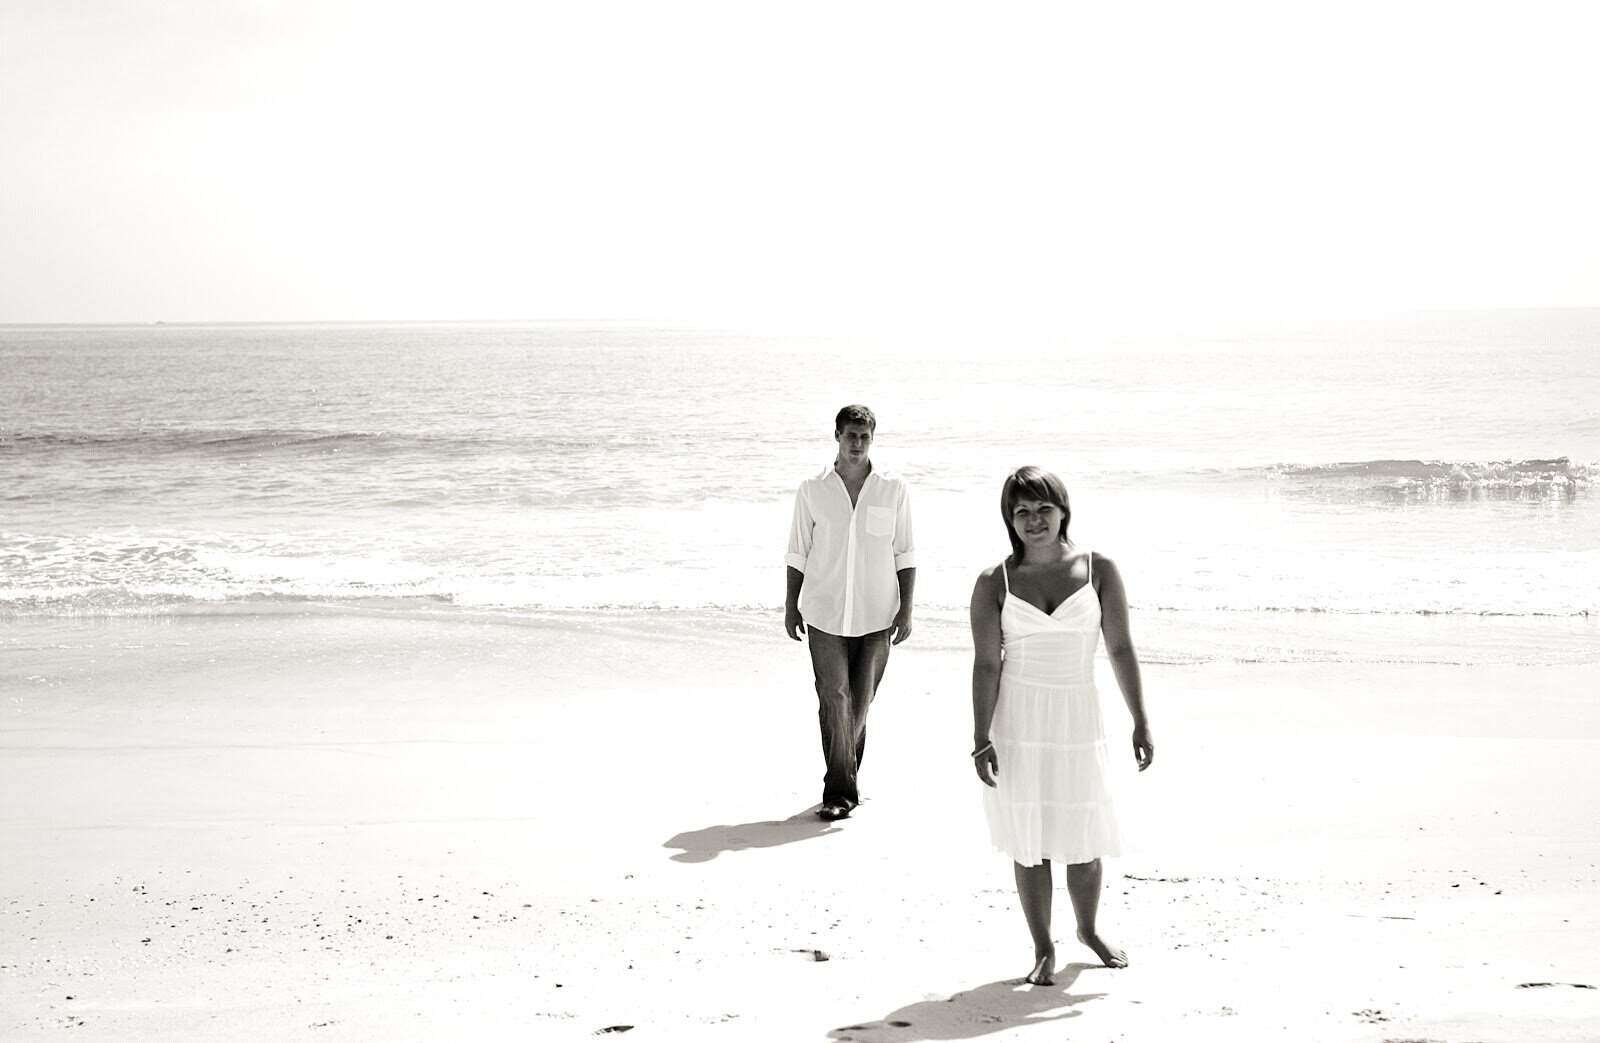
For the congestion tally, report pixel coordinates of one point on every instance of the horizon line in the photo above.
(1062, 326)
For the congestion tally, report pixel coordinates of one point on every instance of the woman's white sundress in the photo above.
(1052, 801)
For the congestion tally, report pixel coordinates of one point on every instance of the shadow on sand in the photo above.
(995, 1007)
(702, 845)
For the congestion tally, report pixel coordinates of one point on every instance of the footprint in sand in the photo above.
(874, 1025)
(814, 955)
(1554, 985)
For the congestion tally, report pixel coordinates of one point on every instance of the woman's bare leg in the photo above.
(1035, 887)
(1083, 886)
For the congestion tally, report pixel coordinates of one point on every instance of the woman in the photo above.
(1039, 743)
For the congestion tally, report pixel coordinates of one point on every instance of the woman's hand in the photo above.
(986, 764)
(1144, 747)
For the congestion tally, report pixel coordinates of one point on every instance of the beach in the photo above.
(409, 421)
(334, 825)
(427, 681)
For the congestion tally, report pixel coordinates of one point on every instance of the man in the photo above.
(851, 573)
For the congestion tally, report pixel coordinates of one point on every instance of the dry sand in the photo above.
(346, 828)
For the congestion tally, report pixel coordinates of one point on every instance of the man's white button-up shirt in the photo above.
(850, 554)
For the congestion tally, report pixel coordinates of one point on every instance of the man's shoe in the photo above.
(833, 811)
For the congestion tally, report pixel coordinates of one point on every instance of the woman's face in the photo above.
(1037, 522)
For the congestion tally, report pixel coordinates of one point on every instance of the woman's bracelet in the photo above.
(981, 750)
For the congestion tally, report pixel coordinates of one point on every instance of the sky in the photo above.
(792, 166)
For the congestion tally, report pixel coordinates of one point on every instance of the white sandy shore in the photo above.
(348, 828)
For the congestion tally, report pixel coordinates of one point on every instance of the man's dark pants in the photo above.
(847, 670)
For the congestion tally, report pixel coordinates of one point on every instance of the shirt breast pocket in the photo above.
(880, 521)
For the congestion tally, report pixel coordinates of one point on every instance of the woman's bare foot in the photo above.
(1109, 954)
(1044, 969)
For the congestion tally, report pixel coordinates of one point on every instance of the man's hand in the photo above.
(987, 765)
(793, 625)
(900, 629)
(1144, 747)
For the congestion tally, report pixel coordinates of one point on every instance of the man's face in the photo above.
(855, 441)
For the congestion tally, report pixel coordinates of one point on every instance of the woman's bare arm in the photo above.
(1124, 661)
(985, 613)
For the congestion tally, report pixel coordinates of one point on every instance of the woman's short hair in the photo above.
(855, 415)
(1033, 483)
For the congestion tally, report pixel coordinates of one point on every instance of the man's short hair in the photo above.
(855, 415)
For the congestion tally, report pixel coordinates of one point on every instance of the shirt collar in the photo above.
(829, 470)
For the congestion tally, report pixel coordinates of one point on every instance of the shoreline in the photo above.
(1168, 637)
(339, 828)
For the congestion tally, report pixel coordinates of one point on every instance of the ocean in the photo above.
(1405, 490)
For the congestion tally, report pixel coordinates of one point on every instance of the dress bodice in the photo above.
(1068, 637)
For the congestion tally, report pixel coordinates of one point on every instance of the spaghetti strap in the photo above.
(1005, 575)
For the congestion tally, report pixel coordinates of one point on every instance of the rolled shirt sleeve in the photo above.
(800, 532)
(905, 550)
